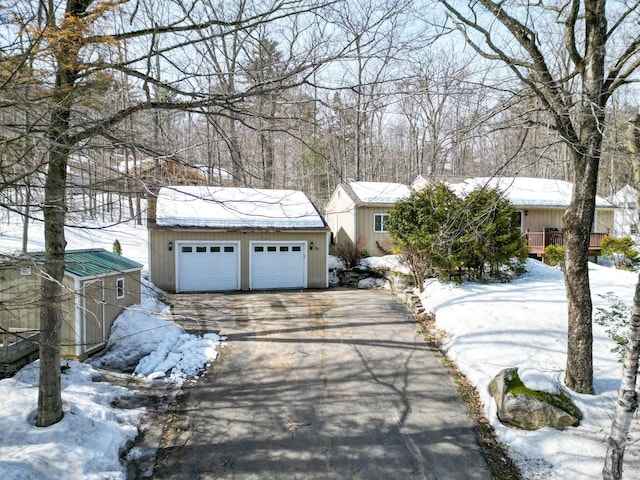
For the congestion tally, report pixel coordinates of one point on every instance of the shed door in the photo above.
(278, 265)
(93, 315)
(207, 266)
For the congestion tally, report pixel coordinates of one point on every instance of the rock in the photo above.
(521, 407)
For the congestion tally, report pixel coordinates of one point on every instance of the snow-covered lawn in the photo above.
(524, 324)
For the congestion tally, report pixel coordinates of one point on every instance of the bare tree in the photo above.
(603, 49)
(73, 45)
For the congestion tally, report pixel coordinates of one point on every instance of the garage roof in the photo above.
(230, 207)
(93, 262)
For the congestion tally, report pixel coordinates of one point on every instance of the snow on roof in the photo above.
(227, 207)
(625, 196)
(525, 191)
(380, 192)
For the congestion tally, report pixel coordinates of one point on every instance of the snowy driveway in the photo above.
(334, 384)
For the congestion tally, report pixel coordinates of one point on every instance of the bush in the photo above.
(453, 237)
(621, 251)
(349, 252)
(554, 255)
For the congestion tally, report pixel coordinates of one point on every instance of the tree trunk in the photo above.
(50, 397)
(578, 220)
(627, 398)
(628, 394)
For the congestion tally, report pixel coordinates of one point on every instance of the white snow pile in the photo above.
(145, 340)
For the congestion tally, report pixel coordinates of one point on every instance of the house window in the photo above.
(119, 288)
(379, 220)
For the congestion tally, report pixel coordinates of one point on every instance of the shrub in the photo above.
(453, 237)
(554, 255)
(621, 251)
(349, 252)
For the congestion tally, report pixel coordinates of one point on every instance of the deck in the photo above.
(538, 241)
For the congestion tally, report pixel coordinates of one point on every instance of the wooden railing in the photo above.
(538, 241)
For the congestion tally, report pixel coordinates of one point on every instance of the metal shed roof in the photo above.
(93, 262)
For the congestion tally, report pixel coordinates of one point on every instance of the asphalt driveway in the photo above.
(334, 384)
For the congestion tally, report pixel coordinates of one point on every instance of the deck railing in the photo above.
(538, 241)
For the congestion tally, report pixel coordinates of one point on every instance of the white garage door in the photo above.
(278, 265)
(207, 266)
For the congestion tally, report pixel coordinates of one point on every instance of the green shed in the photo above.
(98, 285)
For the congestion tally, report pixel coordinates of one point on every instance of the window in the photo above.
(284, 249)
(215, 249)
(228, 249)
(201, 249)
(379, 220)
(272, 249)
(187, 249)
(296, 248)
(119, 288)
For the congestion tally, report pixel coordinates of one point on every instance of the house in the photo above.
(357, 212)
(540, 204)
(226, 238)
(98, 286)
(625, 218)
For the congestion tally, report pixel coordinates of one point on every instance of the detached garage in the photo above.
(223, 238)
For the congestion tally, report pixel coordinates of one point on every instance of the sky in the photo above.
(485, 327)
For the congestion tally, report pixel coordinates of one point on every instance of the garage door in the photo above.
(207, 266)
(278, 265)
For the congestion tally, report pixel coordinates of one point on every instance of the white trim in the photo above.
(177, 248)
(326, 260)
(381, 222)
(86, 348)
(79, 317)
(305, 254)
(124, 292)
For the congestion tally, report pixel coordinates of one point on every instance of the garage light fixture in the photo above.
(311, 246)
(170, 246)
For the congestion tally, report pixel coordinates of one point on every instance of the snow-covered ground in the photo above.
(523, 324)
(488, 326)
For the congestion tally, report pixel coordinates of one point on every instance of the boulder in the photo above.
(521, 407)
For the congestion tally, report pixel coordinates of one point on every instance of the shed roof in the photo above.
(230, 207)
(92, 262)
(378, 193)
(526, 191)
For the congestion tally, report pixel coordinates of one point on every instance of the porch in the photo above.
(538, 241)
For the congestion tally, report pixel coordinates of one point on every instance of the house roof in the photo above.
(624, 197)
(230, 207)
(92, 262)
(525, 191)
(377, 193)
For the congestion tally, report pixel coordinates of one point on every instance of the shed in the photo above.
(228, 238)
(357, 212)
(98, 285)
